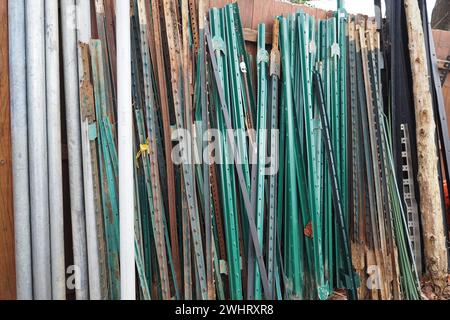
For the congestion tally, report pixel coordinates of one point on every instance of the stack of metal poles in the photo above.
(381, 234)
(36, 134)
(212, 172)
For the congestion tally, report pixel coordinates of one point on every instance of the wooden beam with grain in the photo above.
(430, 196)
(7, 256)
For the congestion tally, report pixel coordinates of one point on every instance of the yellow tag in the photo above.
(143, 148)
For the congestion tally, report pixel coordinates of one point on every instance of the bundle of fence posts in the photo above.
(383, 254)
(265, 176)
(263, 212)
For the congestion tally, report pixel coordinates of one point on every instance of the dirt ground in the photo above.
(430, 294)
(427, 292)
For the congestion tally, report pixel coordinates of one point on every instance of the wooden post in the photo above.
(7, 261)
(430, 196)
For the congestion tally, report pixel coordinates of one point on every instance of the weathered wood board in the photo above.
(7, 256)
(254, 12)
(442, 44)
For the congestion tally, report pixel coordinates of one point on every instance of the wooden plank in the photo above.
(254, 12)
(251, 35)
(218, 3)
(245, 7)
(7, 261)
(436, 38)
(265, 11)
(246, 10)
(442, 43)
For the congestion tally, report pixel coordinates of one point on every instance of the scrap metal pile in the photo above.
(266, 176)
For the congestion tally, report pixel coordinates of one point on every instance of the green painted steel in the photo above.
(107, 178)
(294, 271)
(262, 63)
(337, 199)
(311, 151)
(272, 245)
(304, 176)
(227, 178)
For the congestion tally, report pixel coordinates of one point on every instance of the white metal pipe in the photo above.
(54, 150)
(37, 131)
(68, 19)
(126, 159)
(84, 35)
(19, 132)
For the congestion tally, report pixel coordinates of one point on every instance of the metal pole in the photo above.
(68, 19)
(54, 150)
(337, 203)
(126, 159)
(17, 66)
(84, 35)
(40, 231)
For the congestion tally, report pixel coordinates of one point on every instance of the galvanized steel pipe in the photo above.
(40, 231)
(68, 17)
(21, 196)
(54, 150)
(126, 159)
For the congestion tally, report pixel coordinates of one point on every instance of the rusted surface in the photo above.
(178, 79)
(194, 24)
(150, 33)
(110, 36)
(218, 213)
(163, 99)
(87, 107)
